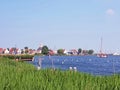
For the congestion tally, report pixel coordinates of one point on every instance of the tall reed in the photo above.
(23, 76)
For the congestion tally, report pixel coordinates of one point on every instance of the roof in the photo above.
(1, 49)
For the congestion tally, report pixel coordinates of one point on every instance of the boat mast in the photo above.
(101, 46)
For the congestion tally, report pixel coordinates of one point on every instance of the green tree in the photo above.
(79, 51)
(60, 51)
(22, 51)
(91, 52)
(45, 50)
(26, 50)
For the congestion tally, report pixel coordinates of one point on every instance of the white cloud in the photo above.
(110, 12)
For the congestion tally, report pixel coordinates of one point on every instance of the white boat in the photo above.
(102, 55)
(116, 54)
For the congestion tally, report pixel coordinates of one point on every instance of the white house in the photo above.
(65, 51)
(6, 51)
(39, 50)
(19, 51)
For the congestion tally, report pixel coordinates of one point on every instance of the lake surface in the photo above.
(88, 64)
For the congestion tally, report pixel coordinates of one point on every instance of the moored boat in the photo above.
(116, 54)
(101, 54)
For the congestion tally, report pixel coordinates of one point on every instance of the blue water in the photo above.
(88, 64)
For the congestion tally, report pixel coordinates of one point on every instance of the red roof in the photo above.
(51, 52)
(1, 49)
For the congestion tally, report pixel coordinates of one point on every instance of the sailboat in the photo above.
(101, 54)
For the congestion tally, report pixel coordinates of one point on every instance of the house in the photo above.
(1, 50)
(12, 51)
(32, 51)
(51, 52)
(39, 50)
(65, 52)
(19, 51)
(84, 52)
(6, 51)
(55, 51)
(74, 52)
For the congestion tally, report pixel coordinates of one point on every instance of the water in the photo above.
(87, 64)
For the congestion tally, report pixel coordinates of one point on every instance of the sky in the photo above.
(68, 24)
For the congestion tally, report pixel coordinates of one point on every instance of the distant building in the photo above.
(19, 51)
(32, 51)
(65, 52)
(39, 50)
(12, 51)
(74, 52)
(1, 50)
(55, 51)
(6, 51)
(84, 52)
(51, 52)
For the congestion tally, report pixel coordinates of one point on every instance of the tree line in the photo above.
(46, 51)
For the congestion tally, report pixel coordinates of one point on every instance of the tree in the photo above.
(45, 50)
(91, 52)
(26, 50)
(22, 51)
(60, 51)
(79, 51)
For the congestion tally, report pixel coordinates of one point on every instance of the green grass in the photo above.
(24, 56)
(22, 76)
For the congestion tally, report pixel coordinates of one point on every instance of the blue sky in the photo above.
(60, 24)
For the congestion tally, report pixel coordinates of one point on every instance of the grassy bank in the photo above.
(22, 76)
(22, 56)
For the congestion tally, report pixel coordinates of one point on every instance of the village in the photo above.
(26, 50)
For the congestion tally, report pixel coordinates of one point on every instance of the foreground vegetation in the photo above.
(22, 76)
(21, 56)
